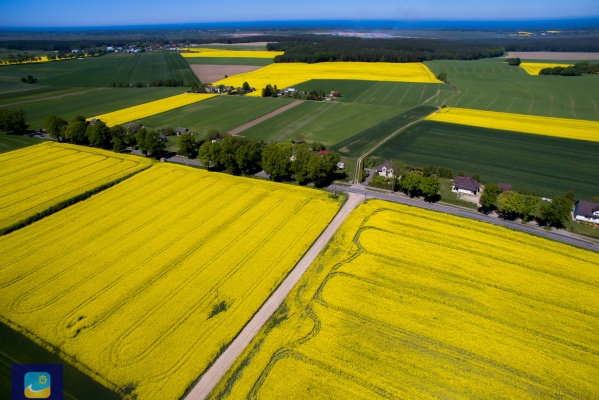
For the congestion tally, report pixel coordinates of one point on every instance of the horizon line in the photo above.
(402, 24)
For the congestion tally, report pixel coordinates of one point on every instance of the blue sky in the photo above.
(45, 13)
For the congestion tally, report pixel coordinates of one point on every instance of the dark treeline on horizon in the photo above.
(312, 48)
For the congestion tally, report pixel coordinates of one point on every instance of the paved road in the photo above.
(557, 235)
(224, 362)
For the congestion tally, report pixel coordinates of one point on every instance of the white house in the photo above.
(586, 211)
(465, 184)
(385, 170)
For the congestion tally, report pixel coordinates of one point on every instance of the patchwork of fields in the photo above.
(86, 102)
(328, 123)
(492, 85)
(222, 113)
(408, 303)
(138, 112)
(38, 177)
(556, 127)
(141, 286)
(530, 163)
(289, 74)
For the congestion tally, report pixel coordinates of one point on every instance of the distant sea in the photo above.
(553, 24)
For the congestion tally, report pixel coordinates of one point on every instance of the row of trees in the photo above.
(98, 134)
(154, 83)
(512, 205)
(314, 49)
(281, 161)
(577, 69)
(13, 121)
(19, 58)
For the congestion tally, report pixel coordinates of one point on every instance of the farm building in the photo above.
(586, 211)
(324, 152)
(465, 184)
(504, 187)
(179, 131)
(385, 170)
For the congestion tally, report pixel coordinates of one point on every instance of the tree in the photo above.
(55, 127)
(187, 145)
(75, 132)
(509, 203)
(429, 186)
(556, 212)
(98, 135)
(267, 91)
(489, 195)
(204, 154)
(13, 121)
(212, 134)
(140, 139)
(514, 61)
(276, 160)
(442, 77)
(246, 87)
(410, 183)
(299, 166)
(321, 168)
(529, 208)
(153, 144)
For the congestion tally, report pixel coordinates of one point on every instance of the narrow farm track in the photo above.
(228, 357)
(263, 118)
(52, 97)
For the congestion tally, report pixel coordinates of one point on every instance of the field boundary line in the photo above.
(53, 97)
(213, 375)
(263, 118)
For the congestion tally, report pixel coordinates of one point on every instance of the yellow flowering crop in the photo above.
(549, 126)
(533, 68)
(410, 303)
(143, 284)
(38, 177)
(197, 52)
(151, 108)
(288, 74)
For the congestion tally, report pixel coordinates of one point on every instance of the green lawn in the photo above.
(222, 113)
(393, 94)
(326, 122)
(15, 348)
(530, 163)
(490, 84)
(228, 61)
(14, 142)
(103, 71)
(90, 103)
(356, 145)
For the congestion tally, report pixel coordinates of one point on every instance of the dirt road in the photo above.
(224, 362)
(243, 127)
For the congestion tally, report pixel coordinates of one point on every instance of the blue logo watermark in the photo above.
(37, 381)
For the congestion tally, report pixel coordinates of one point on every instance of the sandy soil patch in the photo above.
(213, 73)
(551, 55)
(263, 44)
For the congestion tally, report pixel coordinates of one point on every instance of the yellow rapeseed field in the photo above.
(143, 284)
(38, 177)
(549, 126)
(533, 68)
(197, 52)
(288, 74)
(413, 304)
(151, 108)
